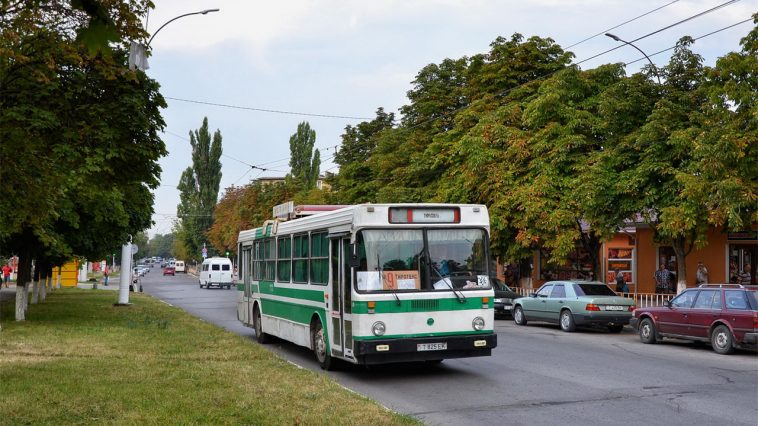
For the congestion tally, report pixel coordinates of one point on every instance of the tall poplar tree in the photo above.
(304, 161)
(198, 189)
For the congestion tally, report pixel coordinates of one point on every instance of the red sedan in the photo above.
(726, 315)
(169, 270)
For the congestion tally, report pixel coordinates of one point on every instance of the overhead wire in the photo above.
(620, 25)
(273, 111)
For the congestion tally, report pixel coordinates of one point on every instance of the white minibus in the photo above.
(216, 271)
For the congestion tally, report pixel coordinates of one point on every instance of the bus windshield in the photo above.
(422, 260)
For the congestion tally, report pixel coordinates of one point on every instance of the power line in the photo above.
(694, 39)
(620, 25)
(703, 13)
(273, 111)
(507, 91)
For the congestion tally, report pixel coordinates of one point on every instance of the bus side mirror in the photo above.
(352, 258)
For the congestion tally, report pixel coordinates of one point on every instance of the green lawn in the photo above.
(79, 359)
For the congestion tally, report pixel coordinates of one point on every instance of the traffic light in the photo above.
(227, 253)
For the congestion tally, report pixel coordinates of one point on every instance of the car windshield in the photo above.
(588, 289)
(497, 284)
(422, 260)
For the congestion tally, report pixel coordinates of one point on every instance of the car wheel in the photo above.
(518, 316)
(615, 328)
(567, 321)
(722, 340)
(647, 331)
(201, 285)
(318, 341)
(260, 336)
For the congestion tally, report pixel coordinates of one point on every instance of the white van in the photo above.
(216, 271)
(179, 266)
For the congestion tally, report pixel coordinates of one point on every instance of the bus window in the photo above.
(395, 259)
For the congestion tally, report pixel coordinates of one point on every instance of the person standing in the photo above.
(701, 276)
(6, 275)
(106, 272)
(661, 277)
(745, 278)
(621, 286)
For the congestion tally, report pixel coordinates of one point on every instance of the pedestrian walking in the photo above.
(661, 277)
(6, 275)
(701, 276)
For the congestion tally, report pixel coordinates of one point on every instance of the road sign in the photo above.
(205, 250)
(134, 248)
(205, 254)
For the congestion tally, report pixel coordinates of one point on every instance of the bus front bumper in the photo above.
(423, 348)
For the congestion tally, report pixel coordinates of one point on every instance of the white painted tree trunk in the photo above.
(35, 291)
(20, 308)
(59, 278)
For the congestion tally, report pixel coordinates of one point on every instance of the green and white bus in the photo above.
(372, 283)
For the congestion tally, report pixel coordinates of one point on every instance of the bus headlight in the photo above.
(378, 328)
(478, 323)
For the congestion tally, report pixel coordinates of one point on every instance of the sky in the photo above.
(348, 58)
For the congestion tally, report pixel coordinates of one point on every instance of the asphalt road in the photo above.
(538, 375)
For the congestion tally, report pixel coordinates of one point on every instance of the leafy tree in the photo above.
(161, 245)
(356, 180)
(304, 161)
(198, 189)
(73, 121)
(246, 207)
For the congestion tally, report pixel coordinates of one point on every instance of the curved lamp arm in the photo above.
(202, 12)
(630, 44)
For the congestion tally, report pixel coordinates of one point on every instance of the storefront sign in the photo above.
(743, 235)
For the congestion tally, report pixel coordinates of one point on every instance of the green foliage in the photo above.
(198, 189)
(81, 130)
(305, 163)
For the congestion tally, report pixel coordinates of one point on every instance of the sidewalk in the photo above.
(10, 292)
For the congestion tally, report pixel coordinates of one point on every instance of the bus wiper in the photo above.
(461, 297)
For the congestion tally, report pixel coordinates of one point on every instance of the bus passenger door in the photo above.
(335, 299)
(341, 333)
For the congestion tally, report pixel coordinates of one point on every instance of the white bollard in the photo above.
(126, 275)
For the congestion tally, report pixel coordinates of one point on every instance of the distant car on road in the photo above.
(169, 270)
(573, 303)
(726, 315)
(504, 297)
(179, 266)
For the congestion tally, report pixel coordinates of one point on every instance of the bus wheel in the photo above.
(318, 342)
(262, 337)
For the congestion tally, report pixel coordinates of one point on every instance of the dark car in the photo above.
(503, 297)
(726, 315)
(169, 270)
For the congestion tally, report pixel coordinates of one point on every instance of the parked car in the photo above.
(504, 297)
(573, 303)
(169, 270)
(726, 315)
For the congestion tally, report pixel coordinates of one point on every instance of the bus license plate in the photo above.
(431, 346)
(614, 308)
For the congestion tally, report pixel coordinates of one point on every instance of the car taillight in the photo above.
(632, 308)
(755, 323)
(592, 307)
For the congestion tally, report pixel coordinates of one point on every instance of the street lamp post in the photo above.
(655, 69)
(138, 51)
(202, 12)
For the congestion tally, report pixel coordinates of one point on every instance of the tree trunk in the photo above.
(22, 281)
(35, 281)
(58, 281)
(43, 286)
(681, 263)
(20, 310)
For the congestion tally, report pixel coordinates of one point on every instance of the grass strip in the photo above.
(77, 359)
